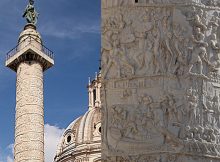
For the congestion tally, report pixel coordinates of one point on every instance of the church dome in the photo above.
(81, 141)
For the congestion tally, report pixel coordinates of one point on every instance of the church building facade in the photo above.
(81, 141)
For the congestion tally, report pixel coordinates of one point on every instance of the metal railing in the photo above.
(30, 41)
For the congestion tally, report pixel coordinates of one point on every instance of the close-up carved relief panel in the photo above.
(160, 70)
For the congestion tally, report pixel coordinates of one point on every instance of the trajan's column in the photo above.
(29, 59)
(161, 80)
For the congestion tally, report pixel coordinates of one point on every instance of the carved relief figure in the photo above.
(119, 118)
(198, 23)
(165, 26)
(181, 56)
(141, 58)
(191, 106)
(114, 52)
(127, 33)
(170, 110)
(215, 46)
(156, 52)
(199, 55)
(208, 111)
(216, 109)
(117, 57)
(214, 22)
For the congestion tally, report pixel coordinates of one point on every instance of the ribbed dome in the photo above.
(82, 138)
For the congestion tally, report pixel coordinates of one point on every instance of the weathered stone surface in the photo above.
(161, 87)
(29, 129)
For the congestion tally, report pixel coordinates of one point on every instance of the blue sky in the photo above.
(71, 29)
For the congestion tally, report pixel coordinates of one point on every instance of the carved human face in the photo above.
(188, 128)
(203, 52)
(189, 92)
(198, 30)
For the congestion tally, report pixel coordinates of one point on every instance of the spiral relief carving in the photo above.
(29, 129)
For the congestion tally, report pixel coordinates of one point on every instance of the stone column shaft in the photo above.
(29, 59)
(29, 129)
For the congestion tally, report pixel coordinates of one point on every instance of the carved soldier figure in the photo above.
(156, 51)
(131, 127)
(120, 117)
(165, 26)
(142, 57)
(198, 133)
(199, 55)
(173, 109)
(181, 58)
(215, 59)
(215, 21)
(214, 42)
(166, 112)
(189, 135)
(117, 56)
(149, 55)
(217, 133)
(199, 38)
(127, 34)
(212, 136)
(198, 21)
(121, 23)
(216, 109)
(192, 103)
(208, 111)
(211, 139)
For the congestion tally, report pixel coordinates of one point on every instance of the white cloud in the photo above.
(9, 156)
(11, 148)
(9, 159)
(52, 137)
